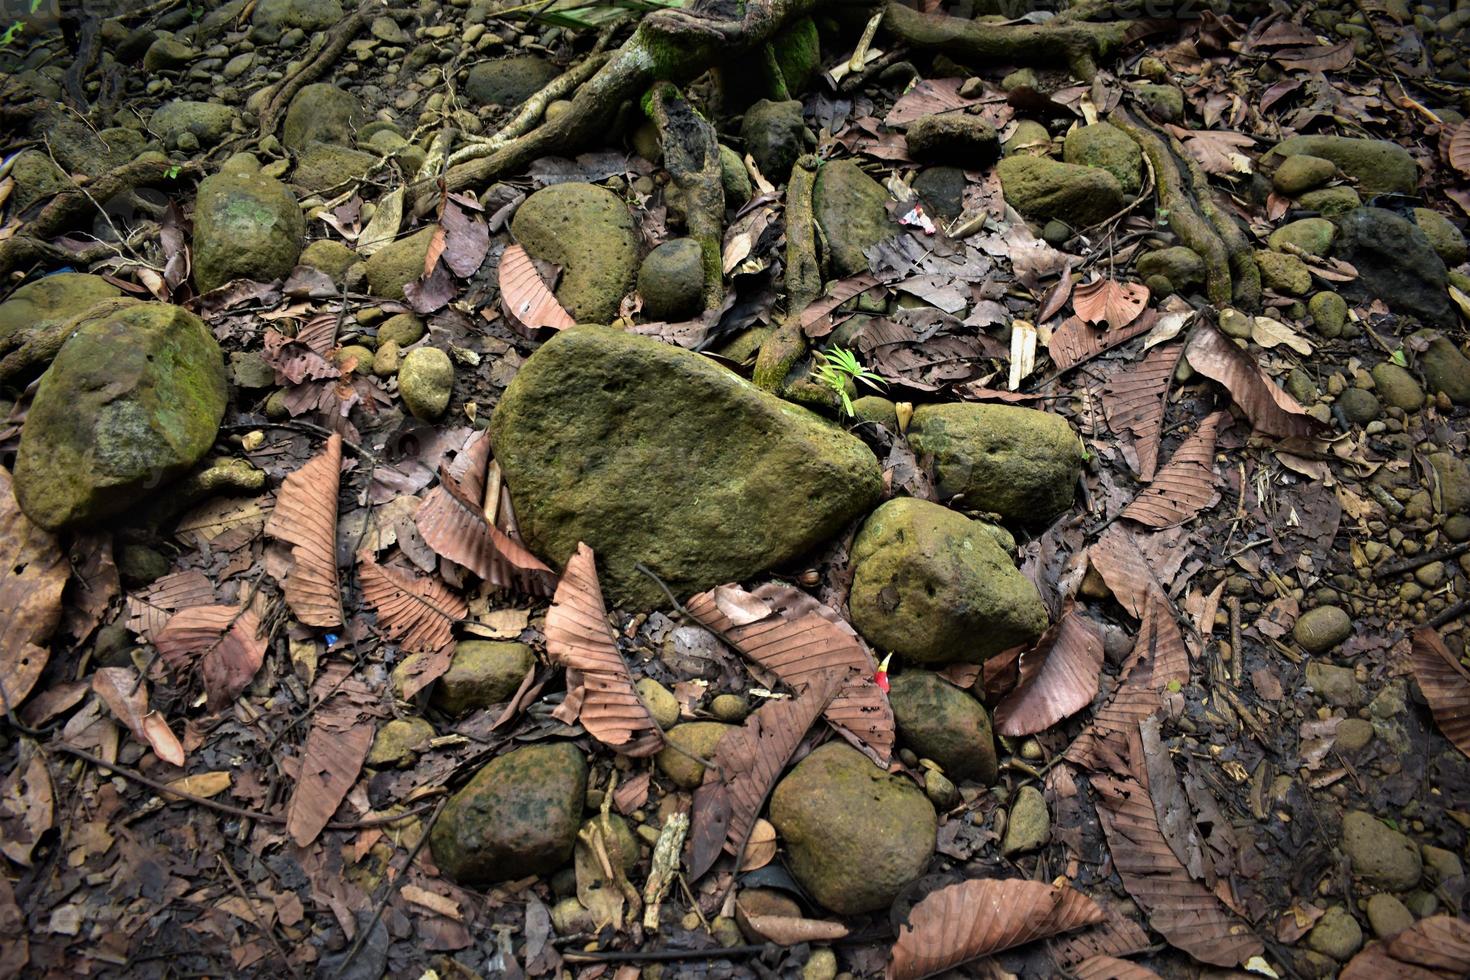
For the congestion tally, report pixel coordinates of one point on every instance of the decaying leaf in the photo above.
(798, 639)
(1133, 400)
(1116, 558)
(965, 921)
(1109, 301)
(1116, 936)
(452, 521)
(1436, 948)
(1111, 968)
(305, 517)
(33, 572)
(126, 696)
(789, 930)
(341, 734)
(1186, 485)
(760, 849)
(1074, 342)
(205, 784)
(1270, 410)
(524, 295)
(1058, 676)
(27, 804)
(223, 640)
(1267, 332)
(1446, 685)
(1460, 148)
(578, 638)
(417, 611)
(150, 610)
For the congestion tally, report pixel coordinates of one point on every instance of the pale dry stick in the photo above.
(665, 866)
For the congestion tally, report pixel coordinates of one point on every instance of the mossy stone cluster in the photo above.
(1043, 190)
(1379, 166)
(1109, 148)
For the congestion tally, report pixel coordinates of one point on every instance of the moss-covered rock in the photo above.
(1301, 173)
(425, 380)
(329, 256)
(1311, 235)
(1445, 368)
(1043, 189)
(1164, 102)
(1028, 825)
(798, 54)
(1181, 266)
(518, 816)
(855, 835)
(1453, 476)
(695, 739)
(400, 262)
(1330, 202)
(1020, 463)
(324, 166)
(1396, 386)
(509, 81)
(936, 587)
(1397, 263)
(399, 742)
(775, 134)
(207, 122)
(1337, 934)
(1329, 312)
(850, 210)
(1380, 855)
(733, 178)
(274, 17)
(671, 280)
(659, 700)
(653, 454)
(482, 673)
(37, 178)
(587, 231)
(132, 401)
(321, 113)
(246, 226)
(1379, 166)
(403, 329)
(876, 408)
(48, 301)
(1029, 138)
(1448, 240)
(1319, 630)
(940, 722)
(953, 137)
(1284, 273)
(1108, 147)
(942, 190)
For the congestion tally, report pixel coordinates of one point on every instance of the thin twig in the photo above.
(1419, 561)
(255, 919)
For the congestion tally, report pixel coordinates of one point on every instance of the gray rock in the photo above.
(509, 81)
(1301, 173)
(1106, 146)
(587, 231)
(1359, 406)
(273, 17)
(208, 122)
(1397, 387)
(953, 137)
(246, 226)
(1380, 855)
(943, 191)
(942, 723)
(671, 280)
(1354, 734)
(1319, 630)
(425, 380)
(1337, 934)
(322, 113)
(775, 135)
(1445, 368)
(733, 479)
(850, 210)
(1028, 825)
(325, 166)
(1336, 685)
(1043, 189)
(1453, 476)
(167, 54)
(1181, 266)
(1388, 916)
(482, 673)
(1397, 263)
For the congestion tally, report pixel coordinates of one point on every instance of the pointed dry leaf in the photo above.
(1186, 485)
(1111, 968)
(1074, 342)
(1460, 148)
(126, 696)
(1117, 936)
(33, 572)
(799, 639)
(789, 930)
(305, 517)
(150, 610)
(1266, 332)
(1270, 410)
(578, 638)
(1446, 685)
(27, 804)
(524, 295)
(223, 640)
(1440, 942)
(760, 849)
(816, 319)
(965, 921)
(1109, 301)
(1117, 559)
(1133, 400)
(341, 734)
(205, 784)
(419, 613)
(1058, 677)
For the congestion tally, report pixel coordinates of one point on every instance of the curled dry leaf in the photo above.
(760, 849)
(126, 696)
(578, 638)
(305, 517)
(150, 610)
(1445, 683)
(341, 734)
(1109, 301)
(965, 921)
(789, 930)
(1133, 400)
(33, 572)
(452, 521)
(816, 319)
(1186, 485)
(1111, 968)
(524, 295)
(27, 804)
(798, 639)
(1074, 342)
(1058, 676)
(419, 613)
(1270, 410)
(1436, 948)
(223, 640)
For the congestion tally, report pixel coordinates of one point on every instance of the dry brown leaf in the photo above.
(816, 319)
(1109, 301)
(419, 613)
(305, 517)
(33, 572)
(965, 921)
(1074, 342)
(1186, 912)
(341, 734)
(1133, 399)
(1270, 410)
(223, 640)
(1058, 676)
(1440, 943)
(1116, 936)
(452, 521)
(1116, 557)
(760, 849)
(789, 930)
(27, 804)
(524, 295)
(798, 638)
(747, 762)
(205, 784)
(1446, 685)
(1317, 57)
(149, 611)
(1186, 485)
(1460, 148)
(578, 638)
(126, 696)
(1111, 968)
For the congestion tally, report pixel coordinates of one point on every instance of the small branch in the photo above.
(1419, 561)
(285, 90)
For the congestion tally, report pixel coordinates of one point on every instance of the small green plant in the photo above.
(838, 366)
(172, 173)
(1399, 358)
(11, 33)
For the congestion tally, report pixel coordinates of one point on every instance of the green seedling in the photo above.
(838, 366)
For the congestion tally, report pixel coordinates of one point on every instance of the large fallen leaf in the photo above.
(747, 762)
(27, 804)
(453, 522)
(1318, 57)
(223, 640)
(524, 295)
(1109, 301)
(33, 572)
(578, 638)
(341, 734)
(149, 611)
(305, 517)
(1074, 342)
(1117, 936)
(1111, 968)
(1187, 913)
(965, 921)
(798, 639)
(1267, 332)
(1460, 148)
(1117, 559)
(419, 613)
(1270, 410)
(126, 696)
(1446, 685)
(1217, 151)
(1186, 485)
(1436, 948)
(1058, 676)
(1133, 400)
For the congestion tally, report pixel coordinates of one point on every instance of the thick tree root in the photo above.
(1079, 46)
(692, 158)
(278, 97)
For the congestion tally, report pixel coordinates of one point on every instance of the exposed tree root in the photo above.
(692, 158)
(278, 97)
(1078, 45)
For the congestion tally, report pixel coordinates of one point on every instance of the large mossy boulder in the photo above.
(518, 816)
(854, 835)
(1020, 463)
(133, 400)
(274, 17)
(654, 454)
(1045, 190)
(775, 134)
(588, 231)
(1379, 166)
(36, 178)
(1108, 147)
(938, 721)
(850, 208)
(509, 81)
(1397, 263)
(936, 587)
(321, 113)
(207, 122)
(50, 300)
(246, 226)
